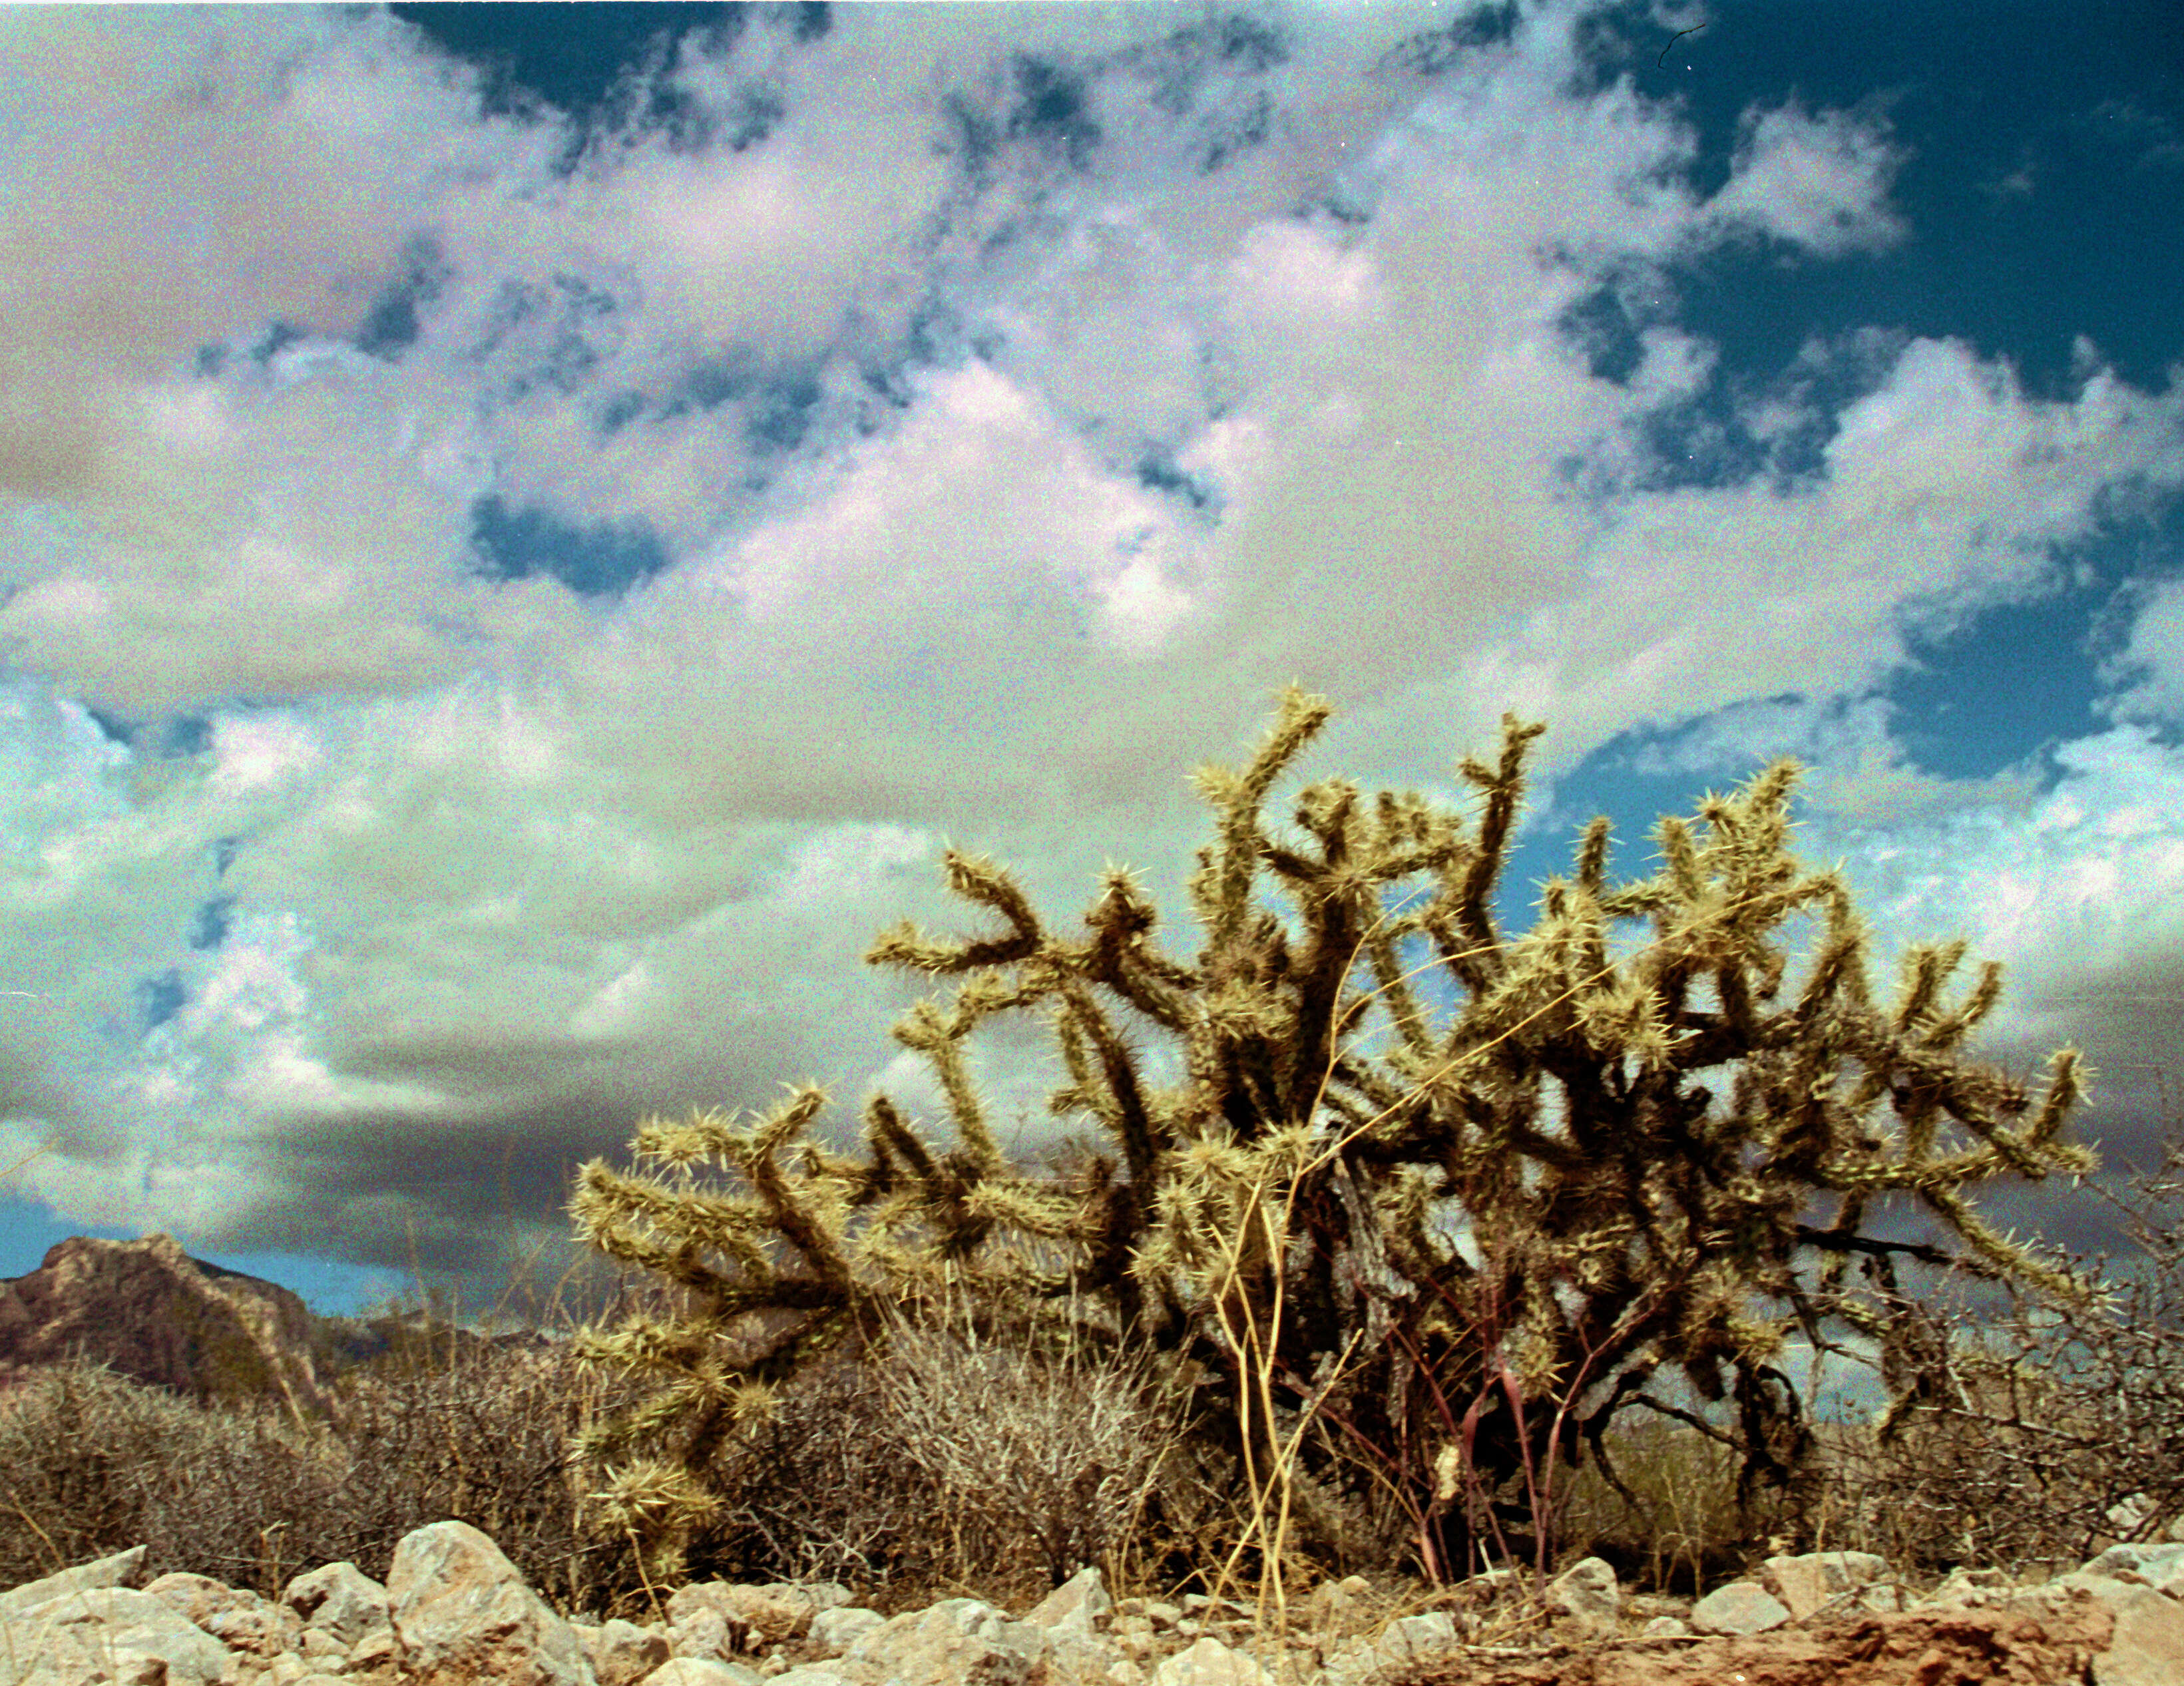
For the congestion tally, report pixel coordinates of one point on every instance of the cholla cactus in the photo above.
(1478, 1245)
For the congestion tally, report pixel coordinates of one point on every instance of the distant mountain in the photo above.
(197, 1329)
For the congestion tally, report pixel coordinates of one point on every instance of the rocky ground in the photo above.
(454, 1612)
(1841, 1618)
(1915, 1648)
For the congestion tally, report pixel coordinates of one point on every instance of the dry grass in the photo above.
(959, 1464)
(91, 1463)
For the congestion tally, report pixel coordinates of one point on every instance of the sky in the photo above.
(525, 531)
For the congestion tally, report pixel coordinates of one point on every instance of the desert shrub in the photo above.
(1036, 1458)
(483, 1438)
(1679, 1522)
(1417, 1283)
(2039, 1436)
(92, 1463)
(964, 1463)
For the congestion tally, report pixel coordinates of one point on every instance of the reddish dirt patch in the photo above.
(1947, 1647)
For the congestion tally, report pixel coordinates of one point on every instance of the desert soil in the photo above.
(1940, 1647)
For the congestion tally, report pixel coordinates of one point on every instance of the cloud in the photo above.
(2145, 669)
(174, 180)
(223, 555)
(1819, 181)
(650, 547)
(1944, 490)
(2075, 890)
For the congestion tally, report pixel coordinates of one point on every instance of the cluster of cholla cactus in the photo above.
(1450, 1259)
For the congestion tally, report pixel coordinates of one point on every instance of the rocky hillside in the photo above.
(211, 1335)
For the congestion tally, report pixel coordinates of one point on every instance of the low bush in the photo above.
(2039, 1435)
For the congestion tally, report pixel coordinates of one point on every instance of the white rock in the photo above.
(2148, 1646)
(1338, 1605)
(2160, 1566)
(68, 1636)
(1210, 1663)
(1588, 1591)
(690, 1671)
(1810, 1582)
(1740, 1607)
(1075, 1608)
(834, 1631)
(957, 1640)
(1412, 1638)
(455, 1612)
(462, 1614)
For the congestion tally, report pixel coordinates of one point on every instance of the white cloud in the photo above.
(2077, 892)
(517, 862)
(1819, 181)
(2147, 670)
(1943, 491)
(251, 754)
(174, 179)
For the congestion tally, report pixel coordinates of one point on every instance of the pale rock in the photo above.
(740, 1619)
(1972, 1589)
(1740, 1607)
(2148, 1646)
(958, 1642)
(466, 1619)
(1336, 1606)
(455, 1613)
(1808, 1584)
(822, 1596)
(122, 1569)
(2160, 1566)
(2131, 1515)
(622, 1653)
(691, 1671)
(1074, 1609)
(1414, 1638)
(1665, 1628)
(74, 1635)
(834, 1631)
(341, 1602)
(703, 1632)
(1587, 1591)
(1208, 1662)
(1086, 1661)
(1402, 1644)
(246, 1624)
(462, 1615)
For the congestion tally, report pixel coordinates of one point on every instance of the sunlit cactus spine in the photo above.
(1487, 1238)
